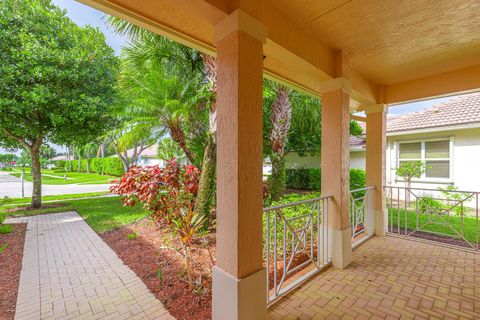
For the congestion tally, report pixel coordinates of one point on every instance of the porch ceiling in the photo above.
(390, 51)
(394, 41)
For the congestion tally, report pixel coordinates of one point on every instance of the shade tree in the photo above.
(57, 82)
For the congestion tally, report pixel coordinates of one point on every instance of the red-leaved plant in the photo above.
(169, 195)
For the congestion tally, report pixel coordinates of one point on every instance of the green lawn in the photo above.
(55, 177)
(102, 214)
(27, 200)
(436, 225)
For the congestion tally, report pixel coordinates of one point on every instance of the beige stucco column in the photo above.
(335, 172)
(375, 158)
(239, 279)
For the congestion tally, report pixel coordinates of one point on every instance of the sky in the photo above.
(85, 15)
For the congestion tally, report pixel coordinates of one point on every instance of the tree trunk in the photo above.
(280, 119)
(278, 178)
(88, 165)
(69, 159)
(178, 136)
(206, 187)
(36, 175)
(79, 163)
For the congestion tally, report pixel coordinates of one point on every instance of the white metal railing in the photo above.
(296, 244)
(446, 216)
(362, 214)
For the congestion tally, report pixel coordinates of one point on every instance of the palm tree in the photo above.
(163, 99)
(180, 59)
(280, 119)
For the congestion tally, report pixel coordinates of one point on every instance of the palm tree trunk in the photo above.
(207, 184)
(178, 136)
(280, 118)
(206, 187)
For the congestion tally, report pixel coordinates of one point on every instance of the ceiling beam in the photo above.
(439, 85)
(291, 54)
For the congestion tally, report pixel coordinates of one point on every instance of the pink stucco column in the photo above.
(239, 278)
(375, 158)
(335, 172)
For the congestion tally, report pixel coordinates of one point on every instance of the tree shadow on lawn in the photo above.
(155, 257)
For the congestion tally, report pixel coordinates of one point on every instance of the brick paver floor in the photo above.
(69, 272)
(391, 278)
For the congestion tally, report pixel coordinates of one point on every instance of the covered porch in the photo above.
(391, 278)
(355, 56)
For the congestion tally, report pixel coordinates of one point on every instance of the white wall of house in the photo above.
(464, 159)
(357, 159)
(149, 161)
(294, 160)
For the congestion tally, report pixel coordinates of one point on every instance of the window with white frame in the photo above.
(435, 154)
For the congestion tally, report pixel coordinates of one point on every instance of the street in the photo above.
(12, 187)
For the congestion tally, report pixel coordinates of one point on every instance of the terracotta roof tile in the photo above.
(464, 109)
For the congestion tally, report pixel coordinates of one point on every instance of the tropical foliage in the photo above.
(169, 195)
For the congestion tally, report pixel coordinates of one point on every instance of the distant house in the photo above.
(58, 158)
(149, 157)
(312, 160)
(445, 136)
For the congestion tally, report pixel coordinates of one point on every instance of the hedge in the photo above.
(310, 179)
(112, 166)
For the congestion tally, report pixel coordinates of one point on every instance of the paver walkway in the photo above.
(69, 272)
(391, 278)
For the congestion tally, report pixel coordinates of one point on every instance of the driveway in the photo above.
(12, 187)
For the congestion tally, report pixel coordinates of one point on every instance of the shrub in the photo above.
(132, 236)
(310, 179)
(2, 217)
(61, 164)
(113, 166)
(6, 228)
(426, 204)
(83, 165)
(96, 165)
(169, 195)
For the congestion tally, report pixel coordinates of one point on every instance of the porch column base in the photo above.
(341, 247)
(380, 222)
(239, 299)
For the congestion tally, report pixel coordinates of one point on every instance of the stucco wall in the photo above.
(465, 158)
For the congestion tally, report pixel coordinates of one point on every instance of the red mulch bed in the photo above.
(10, 267)
(154, 250)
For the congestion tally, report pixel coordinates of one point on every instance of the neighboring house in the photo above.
(446, 137)
(312, 160)
(57, 158)
(149, 157)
